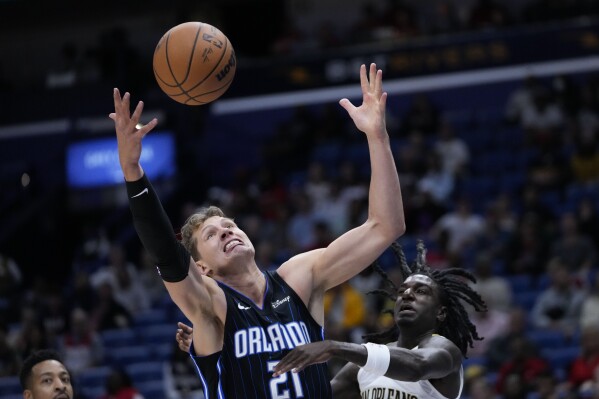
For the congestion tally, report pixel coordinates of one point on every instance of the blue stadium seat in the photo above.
(163, 352)
(547, 338)
(93, 377)
(150, 317)
(93, 392)
(10, 386)
(121, 357)
(525, 299)
(141, 373)
(157, 334)
(520, 282)
(152, 389)
(118, 337)
(561, 358)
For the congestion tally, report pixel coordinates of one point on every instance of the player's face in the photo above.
(418, 301)
(219, 241)
(49, 380)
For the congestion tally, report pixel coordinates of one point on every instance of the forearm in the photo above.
(404, 365)
(155, 231)
(385, 199)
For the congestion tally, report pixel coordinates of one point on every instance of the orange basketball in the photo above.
(194, 63)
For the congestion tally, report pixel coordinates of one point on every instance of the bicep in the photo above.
(345, 383)
(349, 254)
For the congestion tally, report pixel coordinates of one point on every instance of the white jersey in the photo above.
(379, 387)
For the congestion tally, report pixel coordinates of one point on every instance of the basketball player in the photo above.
(44, 376)
(246, 320)
(426, 360)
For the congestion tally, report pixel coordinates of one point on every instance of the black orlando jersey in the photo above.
(255, 339)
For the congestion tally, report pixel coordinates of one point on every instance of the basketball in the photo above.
(194, 63)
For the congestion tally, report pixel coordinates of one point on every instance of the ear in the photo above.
(442, 314)
(204, 268)
(27, 394)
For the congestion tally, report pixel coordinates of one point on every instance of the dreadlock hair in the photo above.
(454, 291)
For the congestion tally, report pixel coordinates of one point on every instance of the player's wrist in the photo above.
(132, 172)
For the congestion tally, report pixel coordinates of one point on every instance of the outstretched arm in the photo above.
(355, 250)
(405, 364)
(194, 296)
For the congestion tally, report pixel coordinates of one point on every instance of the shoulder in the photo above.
(297, 264)
(440, 342)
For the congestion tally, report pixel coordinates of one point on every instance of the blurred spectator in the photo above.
(322, 235)
(122, 276)
(494, 289)
(119, 386)
(300, 228)
(527, 248)
(490, 325)
(548, 171)
(517, 327)
(266, 256)
(422, 116)
(10, 361)
(566, 94)
(547, 386)
(587, 217)
(542, 121)
(517, 375)
(584, 161)
(80, 346)
(589, 312)
(572, 248)
(10, 283)
(30, 335)
(345, 313)
(558, 306)
(345, 310)
(452, 150)
(398, 20)
(487, 15)
(437, 183)
(334, 209)
(180, 376)
(458, 229)
(150, 280)
(54, 315)
(318, 185)
(586, 365)
(81, 294)
(109, 314)
(521, 99)
(479, 387)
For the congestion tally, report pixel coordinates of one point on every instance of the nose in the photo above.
(408, 293)
(225, 233)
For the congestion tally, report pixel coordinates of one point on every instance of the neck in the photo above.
(251, 283)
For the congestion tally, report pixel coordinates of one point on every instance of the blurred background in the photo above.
(493, 114)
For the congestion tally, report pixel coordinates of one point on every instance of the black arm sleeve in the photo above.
(155, 231)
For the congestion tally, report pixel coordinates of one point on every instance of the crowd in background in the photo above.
(537, 234)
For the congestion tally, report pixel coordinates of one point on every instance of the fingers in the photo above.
(184, 327)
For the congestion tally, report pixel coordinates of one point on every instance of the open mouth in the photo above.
(231, 244)
(406, 308)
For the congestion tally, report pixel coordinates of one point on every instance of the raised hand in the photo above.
(370, 116)
(128, 135)
(303, 356)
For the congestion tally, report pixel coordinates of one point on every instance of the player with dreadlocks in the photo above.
(432, 333)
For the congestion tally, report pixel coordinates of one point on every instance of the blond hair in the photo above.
(192, 224)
